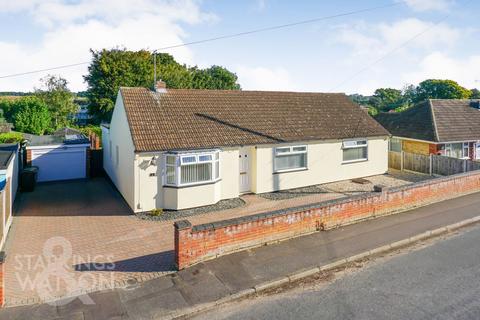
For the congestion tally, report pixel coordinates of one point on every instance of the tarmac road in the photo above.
(441, 281)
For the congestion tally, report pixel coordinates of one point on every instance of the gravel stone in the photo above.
(177, 214)
(294, 193)
(393, 178)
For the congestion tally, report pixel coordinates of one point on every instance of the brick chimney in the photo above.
(160, 86)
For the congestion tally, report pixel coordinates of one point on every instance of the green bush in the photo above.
(11, 137)
(31, 115)
(156, 212)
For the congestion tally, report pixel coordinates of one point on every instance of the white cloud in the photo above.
(261, 78)
(382, 54)
(438, 65)
(425, 5)
(260, 5)
(73, 28)
(378, 39)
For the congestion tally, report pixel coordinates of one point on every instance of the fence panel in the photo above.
(395, 160)
(440, 165)
(416, 162)
(446, 166)
(473, 165)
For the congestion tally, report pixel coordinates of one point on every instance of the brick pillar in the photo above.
(2, 280)
(182, 231)
(29, 157)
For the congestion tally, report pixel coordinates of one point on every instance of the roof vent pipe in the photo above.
(160, 86)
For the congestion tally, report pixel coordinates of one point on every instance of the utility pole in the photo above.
(154, 68)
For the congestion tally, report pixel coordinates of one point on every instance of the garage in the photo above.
(60, 163)
(58, 157)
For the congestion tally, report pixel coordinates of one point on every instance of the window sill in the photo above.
(354, 161)
(290, 170)
(191, 184)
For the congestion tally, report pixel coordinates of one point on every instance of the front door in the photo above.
(244, 165)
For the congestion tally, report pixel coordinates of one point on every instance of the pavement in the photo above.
(439, 281)
(208, 282)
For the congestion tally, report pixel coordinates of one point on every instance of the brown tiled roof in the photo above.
(415, 123)
(438, 120)
(194, 119)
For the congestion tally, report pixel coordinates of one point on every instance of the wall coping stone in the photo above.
(182, 224)
(319, 205)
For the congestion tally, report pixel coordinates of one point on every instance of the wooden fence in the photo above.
(430, 164)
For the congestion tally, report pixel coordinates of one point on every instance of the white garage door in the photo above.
(60, 164)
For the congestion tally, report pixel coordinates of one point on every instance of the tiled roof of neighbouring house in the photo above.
(438, 120)
(193, 119)
(61, 136)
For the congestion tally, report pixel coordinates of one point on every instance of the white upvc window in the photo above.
(457, 150)
(355, 150)
(465, 150)
(290, 158)
(184, 169)
(395, 145)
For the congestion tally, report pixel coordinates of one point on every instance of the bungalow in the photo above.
(178, 149)
(437, 126)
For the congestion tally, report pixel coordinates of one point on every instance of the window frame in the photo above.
(466, 145)
(394, 141)
(449, 149)
(180, 160)
(356, 146)
(289, 150)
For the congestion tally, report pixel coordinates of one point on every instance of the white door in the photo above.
(244, 165)
(60, 163)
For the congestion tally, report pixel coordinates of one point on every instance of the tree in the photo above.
(215, 77)
(59, 100)
(111, 69)
(31, 115)
(409, 93)
(385, 99)
(475, 94)
(440, 89)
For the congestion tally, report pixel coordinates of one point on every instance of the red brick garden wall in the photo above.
(201, 242)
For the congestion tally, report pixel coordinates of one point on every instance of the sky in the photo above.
(402, 44)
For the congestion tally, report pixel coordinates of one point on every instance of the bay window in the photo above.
(191, 168)
(355, 150)
(290, 158)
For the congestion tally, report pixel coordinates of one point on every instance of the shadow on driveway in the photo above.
(90, 197)
(157, 262)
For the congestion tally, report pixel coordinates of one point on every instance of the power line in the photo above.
(402, 45)
(283, 26)
(233, 35)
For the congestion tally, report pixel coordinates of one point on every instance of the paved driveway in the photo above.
(77, 236)
(83, 233)
(108, 244)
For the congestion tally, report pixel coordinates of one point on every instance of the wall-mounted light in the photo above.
(153, 162)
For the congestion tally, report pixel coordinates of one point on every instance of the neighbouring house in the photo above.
(82, 116)
(437, 126)
(9, 168)
(63, 155)
(178, 149)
